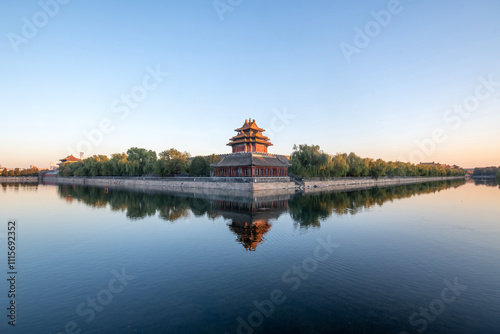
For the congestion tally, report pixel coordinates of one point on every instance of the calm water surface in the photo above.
(412, 259)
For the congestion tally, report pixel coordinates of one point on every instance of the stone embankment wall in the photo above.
(177, 183)
(18, 179)
(221, 184)
(358, 182)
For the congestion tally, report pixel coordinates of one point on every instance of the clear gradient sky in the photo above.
(265, 59)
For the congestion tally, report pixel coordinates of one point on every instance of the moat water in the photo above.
(421, 258)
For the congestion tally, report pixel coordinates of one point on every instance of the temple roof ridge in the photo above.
(250, 124)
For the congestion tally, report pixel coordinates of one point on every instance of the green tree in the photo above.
(118, 164)
(340, 165)
(377, 168)
(309, 161)
(356, 166)
(171, 162)
(94, 165)
(390, 169)
(143, 161)
(76, 169)
(199, 167)
(30, 172)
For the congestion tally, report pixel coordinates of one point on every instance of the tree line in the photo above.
(139, 162)
(306, 161)
(311, 161)
(20, 172)
(305, 210)
(310, 210)
(488, 171)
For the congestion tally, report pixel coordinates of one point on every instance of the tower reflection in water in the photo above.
(250, 221)
(250, 217)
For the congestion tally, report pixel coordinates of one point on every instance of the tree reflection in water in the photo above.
(18, 185)
(489, 182)
(309, 210)
(250, 217)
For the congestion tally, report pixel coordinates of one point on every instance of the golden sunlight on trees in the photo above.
(311, 161)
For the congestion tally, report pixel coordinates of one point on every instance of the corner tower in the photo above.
(249, 157)
(249, 139)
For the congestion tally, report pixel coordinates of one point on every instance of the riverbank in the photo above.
(182, 183)
(233, 185)
(20, 179)
(352, 183)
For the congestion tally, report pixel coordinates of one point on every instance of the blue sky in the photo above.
(279, 62)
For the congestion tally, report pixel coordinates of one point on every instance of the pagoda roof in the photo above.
(70, 158)
(247, 135)
(250, 235)
(244, 141)
(249, 124)
(252, 159)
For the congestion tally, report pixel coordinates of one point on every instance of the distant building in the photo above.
(439, 165)
(51, 173)
(53, 166)
(250, 157)
(68, 160)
